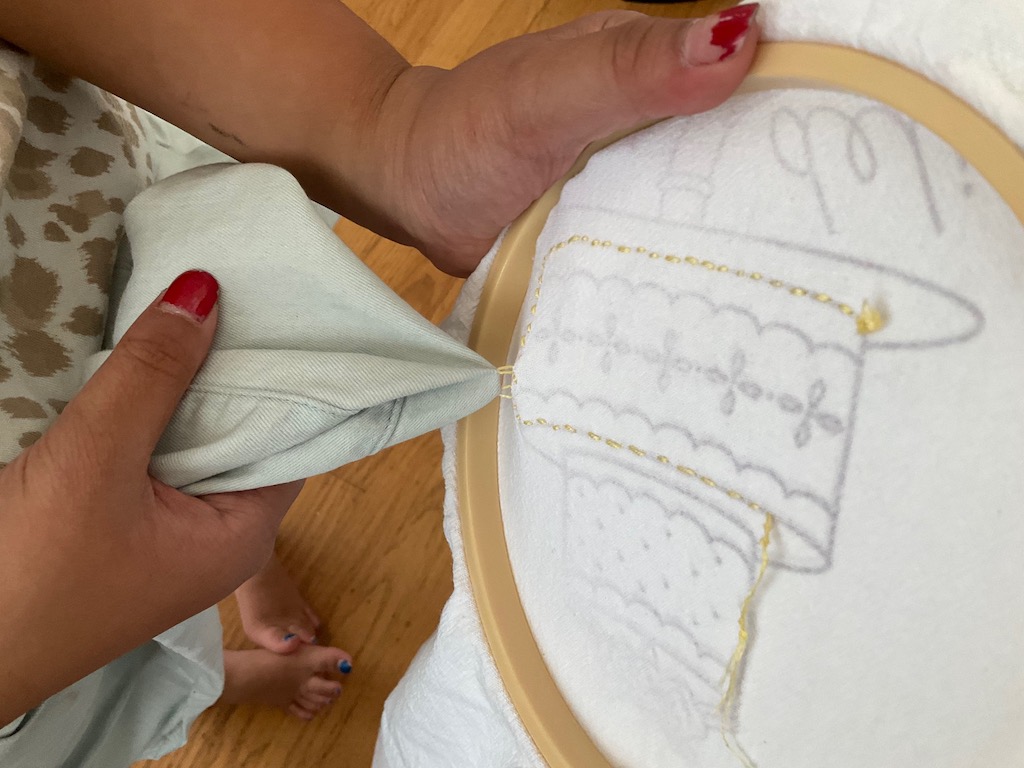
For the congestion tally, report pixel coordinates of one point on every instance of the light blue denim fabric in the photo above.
(316, 362)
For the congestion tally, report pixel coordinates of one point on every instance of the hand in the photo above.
(96, 557)
(465, 151)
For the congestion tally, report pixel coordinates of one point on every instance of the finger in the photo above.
(268, 505)
(632, 68)
(133, 395)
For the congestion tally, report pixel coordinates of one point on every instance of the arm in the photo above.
(298, 84)
(439, 159)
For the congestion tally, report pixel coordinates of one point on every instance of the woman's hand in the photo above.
(97, 557)
(463, 152)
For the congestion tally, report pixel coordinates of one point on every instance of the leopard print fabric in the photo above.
(71, 157)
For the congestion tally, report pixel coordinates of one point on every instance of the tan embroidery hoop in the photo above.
(547, 717)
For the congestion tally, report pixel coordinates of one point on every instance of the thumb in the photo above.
(628, 68)
(133, 395)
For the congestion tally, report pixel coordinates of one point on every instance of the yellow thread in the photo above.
(643, 453)
(522, 341)
(533, 310)
(824, 298)
(708, 264)
(606, 243)
(756, 275)
(692, 260)
(740, 273)
(728, 702)
(722, 268)
(673, 259)
(798, 291)
(505, 397)
(776, 283)
(846, 309)
(641, 249)
(625, 249)
(870, 320)
(652, 255)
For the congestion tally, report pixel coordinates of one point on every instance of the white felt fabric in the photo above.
(891, 623)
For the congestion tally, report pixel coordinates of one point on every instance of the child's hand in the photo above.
(466, 151)
(96, 557)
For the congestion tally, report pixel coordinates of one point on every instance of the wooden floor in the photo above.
(365, 541)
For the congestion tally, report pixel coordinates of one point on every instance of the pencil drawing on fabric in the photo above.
(697, 383)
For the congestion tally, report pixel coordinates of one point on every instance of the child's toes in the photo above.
(300, 712)
(322, 687)
(277, 639)
(314, 702)
(314, 620)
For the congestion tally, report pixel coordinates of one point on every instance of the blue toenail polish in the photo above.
(344, 667)
(289, 636)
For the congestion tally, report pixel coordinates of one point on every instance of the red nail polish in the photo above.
(732, 26)
(193, 293)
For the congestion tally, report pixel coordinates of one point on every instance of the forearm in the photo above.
(297, 83)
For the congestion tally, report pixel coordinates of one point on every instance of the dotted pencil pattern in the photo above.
(868, 320)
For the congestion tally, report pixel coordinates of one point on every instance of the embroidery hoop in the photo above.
(559, 737)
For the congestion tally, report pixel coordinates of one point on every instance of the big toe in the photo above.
(329, 662)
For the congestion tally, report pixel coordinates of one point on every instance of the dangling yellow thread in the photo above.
(870, 319)
(728, 702)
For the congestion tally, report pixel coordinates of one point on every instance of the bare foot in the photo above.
(303, 682)
(274, 614)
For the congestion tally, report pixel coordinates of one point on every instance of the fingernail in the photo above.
(193, 294)
(289, 636)
(344, 666)
(716, 38)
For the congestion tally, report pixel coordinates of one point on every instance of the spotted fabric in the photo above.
(71, 157)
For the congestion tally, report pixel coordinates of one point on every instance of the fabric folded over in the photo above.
(315, 363)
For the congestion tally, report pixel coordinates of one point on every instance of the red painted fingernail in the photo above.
(193, 293)
(718, 37)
